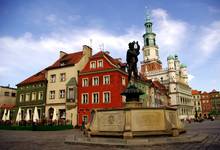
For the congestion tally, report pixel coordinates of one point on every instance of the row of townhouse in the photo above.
(54, 89)
(78, 83)
(206, 102)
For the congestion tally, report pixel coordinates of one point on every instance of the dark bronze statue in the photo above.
(132, 59)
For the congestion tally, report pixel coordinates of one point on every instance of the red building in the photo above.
(206, 103)
(100, 84)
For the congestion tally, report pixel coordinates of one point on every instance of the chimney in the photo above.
(62, 53)
(87, 50)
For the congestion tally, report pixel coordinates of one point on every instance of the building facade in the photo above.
(196, 95)
(174, 78)
(31, 93)
(100, 85)
(62, 79)
(215, 100)
(7, 100)
(206, 104)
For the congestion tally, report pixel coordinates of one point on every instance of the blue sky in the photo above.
(33, 32)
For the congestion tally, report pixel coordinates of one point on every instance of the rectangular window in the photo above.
(71, 93)
(13, 94)
(123, 81)
(95, 81)
(27, 97)
(100, 63)
(40, 95)
(53, 78)
(93, 64)
(34, 96)
(106, 79)
(62, 77)
(85, 98)
(106, 97)
(21, 97)
(95, 98)
(52, 94)
(62, 93)
(85, 82)
(6, 93)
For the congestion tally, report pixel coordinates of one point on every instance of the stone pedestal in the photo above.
(129, 122)
(133, 104)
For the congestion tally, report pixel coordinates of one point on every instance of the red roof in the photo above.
(195, 92)
(113, 60)
(68, 60)
(40, 76)
(7, 106)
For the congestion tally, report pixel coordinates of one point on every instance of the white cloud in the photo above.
(190, 77)
(27, 55)
(210, 38)
(171, 33)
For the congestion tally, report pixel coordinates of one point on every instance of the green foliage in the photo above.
(214, 112)
(37, 128)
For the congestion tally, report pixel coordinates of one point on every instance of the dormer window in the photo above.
(100, 63)
(63, 62)
(93, 64)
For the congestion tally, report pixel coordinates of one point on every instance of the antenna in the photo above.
(90, 42)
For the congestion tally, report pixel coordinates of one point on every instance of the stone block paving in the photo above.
(54, 140)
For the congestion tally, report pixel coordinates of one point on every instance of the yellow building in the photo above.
(62, 76)
(7, 99)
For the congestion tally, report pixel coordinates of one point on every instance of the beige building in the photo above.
(62, 79)
(174, 78)
(7, 95)
(7, 99)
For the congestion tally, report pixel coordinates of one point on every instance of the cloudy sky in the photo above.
(33, 32)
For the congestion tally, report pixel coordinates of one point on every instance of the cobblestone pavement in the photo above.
(54, 140)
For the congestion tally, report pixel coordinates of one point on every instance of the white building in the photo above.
(175, 77)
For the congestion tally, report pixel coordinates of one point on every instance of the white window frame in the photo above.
(52, 96)
(109, 81)
(32, 97)
(62, 93)
(92, 64)
(93, 81)
(109, 98)
(93, 101)
(83, 83)
(53, 80)
(83, 101)
(100, 63)
(68, 94)
(62, 77)
(39, 95)
(27, 99)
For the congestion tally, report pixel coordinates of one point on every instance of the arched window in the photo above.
(147, 41)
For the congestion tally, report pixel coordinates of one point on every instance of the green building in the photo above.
(31, 93)
(215, 99)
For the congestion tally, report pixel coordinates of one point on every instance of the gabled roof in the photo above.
(195, 92)
(115, 61)
(40, 76)
(68, 60)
